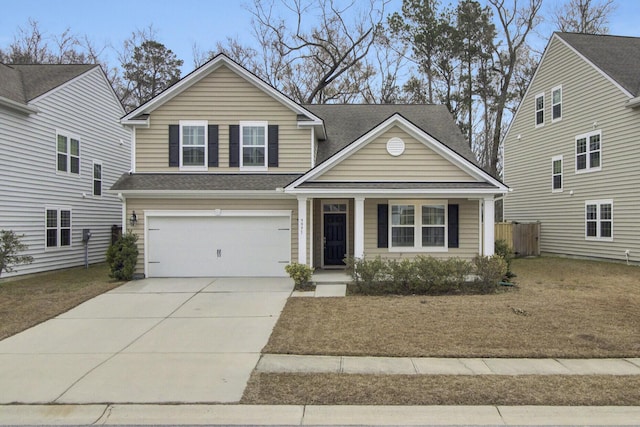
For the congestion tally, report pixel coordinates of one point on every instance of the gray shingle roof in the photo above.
(617, 56)
(345, 123)
(203, 182)
(22, 83)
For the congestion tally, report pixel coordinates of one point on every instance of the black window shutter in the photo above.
(273, 145)
(383, 226)
(213, 145)
(234, 146)
(452, 219)
(174, 145)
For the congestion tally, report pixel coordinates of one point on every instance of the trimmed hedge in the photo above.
(425, 275)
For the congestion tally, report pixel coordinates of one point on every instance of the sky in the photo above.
(181, 23)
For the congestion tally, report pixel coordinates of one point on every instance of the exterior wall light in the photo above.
(133, 219)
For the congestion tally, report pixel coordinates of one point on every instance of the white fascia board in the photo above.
(197, 194)
(317, 126)
(633, 102)
(136, 123)
(18, 106)
(381, 192)
(217, 213)
(199, 73)
(414, 131)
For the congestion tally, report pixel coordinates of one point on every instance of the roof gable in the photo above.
(397, 120)
(617, 57)
(199, 73)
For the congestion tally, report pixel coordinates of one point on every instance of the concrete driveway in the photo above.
(148, 341)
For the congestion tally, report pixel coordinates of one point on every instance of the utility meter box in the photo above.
(86, 234)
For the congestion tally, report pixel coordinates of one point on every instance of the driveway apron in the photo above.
(166, 340)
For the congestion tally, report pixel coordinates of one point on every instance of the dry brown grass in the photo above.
(25, 302)
(337, 389)
(560, 308)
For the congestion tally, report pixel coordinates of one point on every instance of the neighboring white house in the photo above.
(572, 153)
(62, 149)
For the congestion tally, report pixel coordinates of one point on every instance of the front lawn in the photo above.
(25, 302)
(561, 308)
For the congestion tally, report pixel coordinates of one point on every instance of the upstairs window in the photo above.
(599, 220)
(556, 103)
(58, 227)
(193, 145)
(556, 174)
(97, 178)
(68, 154)
(588, 152)
(540, 110)
(253, 144)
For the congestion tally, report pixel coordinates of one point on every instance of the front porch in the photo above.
(331, 228)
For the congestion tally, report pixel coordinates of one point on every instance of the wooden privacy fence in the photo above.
(522, 238)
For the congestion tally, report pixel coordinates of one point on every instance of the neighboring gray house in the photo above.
(572, 153)
(62, 148)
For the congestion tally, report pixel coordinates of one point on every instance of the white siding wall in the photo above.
(590, 102)
(87, 108)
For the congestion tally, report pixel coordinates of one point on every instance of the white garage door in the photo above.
(218, 246)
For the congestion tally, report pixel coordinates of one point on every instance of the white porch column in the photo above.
(302, 230)
(358, 227)
(489, 226)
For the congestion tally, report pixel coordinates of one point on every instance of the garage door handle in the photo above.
(219, 253)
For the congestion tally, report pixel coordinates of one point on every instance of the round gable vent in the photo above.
(395, 146)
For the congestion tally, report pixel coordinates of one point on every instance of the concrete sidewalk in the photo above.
(446, 366)
(318, 415)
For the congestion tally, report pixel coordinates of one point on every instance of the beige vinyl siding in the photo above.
(469, 229)
(373, 162)
(223, 98)
(590, 102)
(142, 205)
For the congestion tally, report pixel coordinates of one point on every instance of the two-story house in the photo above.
(571, 153)
(232, 178)
(62, 149)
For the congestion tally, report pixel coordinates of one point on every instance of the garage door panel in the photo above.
(218, 246)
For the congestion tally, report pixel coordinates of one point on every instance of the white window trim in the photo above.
(417, 225)
(69, 137)
(554, 120)
(93, 179)
(588, 169)
(58, 227)
(535, 108)
(553, 160)
(598, 237)
(204, 124)
(266, 145)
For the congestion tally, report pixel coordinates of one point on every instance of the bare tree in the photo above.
(322, 61)
(515, 24)
(584, 16)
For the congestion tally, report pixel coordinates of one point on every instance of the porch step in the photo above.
(324, 290)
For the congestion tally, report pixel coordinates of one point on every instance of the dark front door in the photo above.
(335, 238)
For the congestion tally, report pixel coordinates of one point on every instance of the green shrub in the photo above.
(370, 276)
(10, 246)
(503, 249)
(436, 276)
(489, 272)
(403, 277)
(122, 257)
(300, 273)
